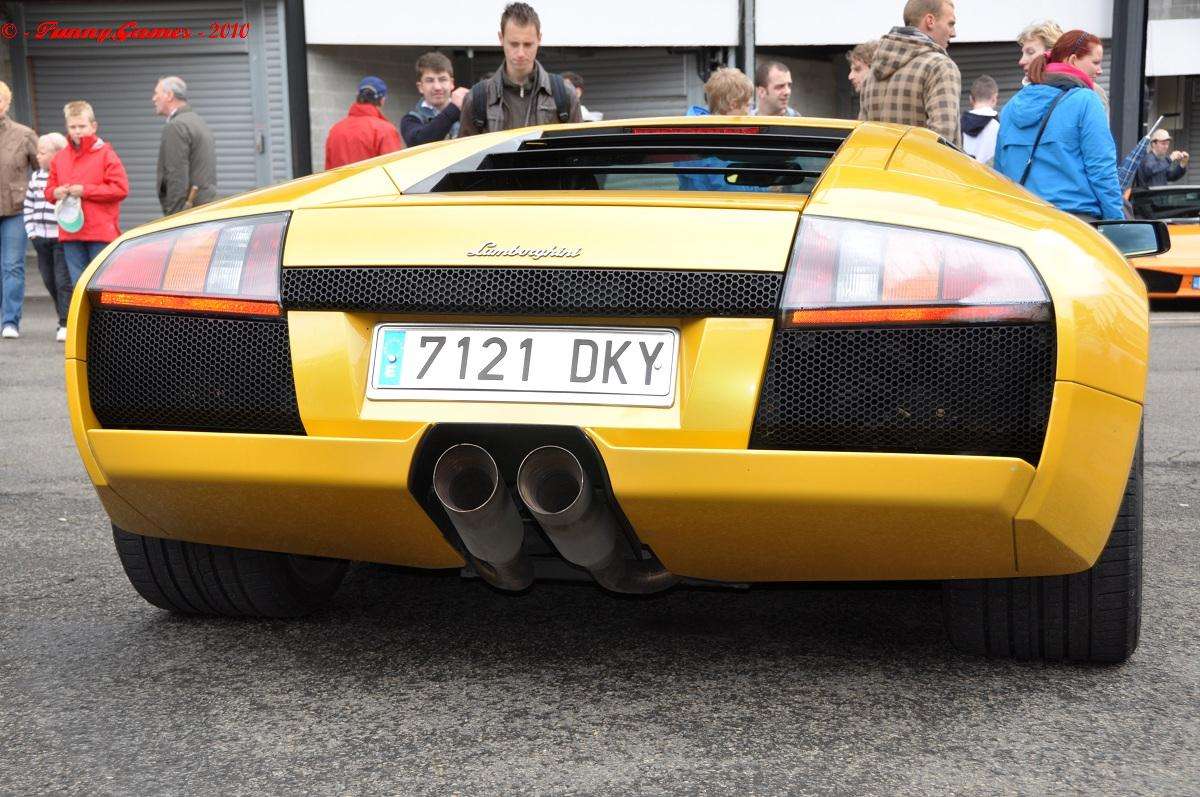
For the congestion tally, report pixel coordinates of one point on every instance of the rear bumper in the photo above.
(1170, 282)
(722, 514)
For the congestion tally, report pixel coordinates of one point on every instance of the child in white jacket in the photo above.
(42, 230)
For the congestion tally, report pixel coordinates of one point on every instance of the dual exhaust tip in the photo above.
(555, 487)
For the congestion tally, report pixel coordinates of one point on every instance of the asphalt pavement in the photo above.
(416, 683)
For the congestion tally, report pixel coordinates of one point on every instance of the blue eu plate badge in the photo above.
(1196, 283)
(391, 358)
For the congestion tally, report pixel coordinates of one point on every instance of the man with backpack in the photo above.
(521, 92)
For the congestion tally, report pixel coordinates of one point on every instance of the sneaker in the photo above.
(9, 331)
(61, 335)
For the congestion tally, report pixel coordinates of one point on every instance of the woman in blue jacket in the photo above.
(1074, 166)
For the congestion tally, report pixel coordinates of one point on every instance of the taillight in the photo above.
(221, 267)
(846, 272)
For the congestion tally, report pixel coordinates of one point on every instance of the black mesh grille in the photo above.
(533, 291)
(963, 390)
(156, 371)
(1160, 281)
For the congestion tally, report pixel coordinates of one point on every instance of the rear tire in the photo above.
(193, 578)
(1093, 616)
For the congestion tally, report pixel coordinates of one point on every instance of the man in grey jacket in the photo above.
(521, 92)
(187, 156)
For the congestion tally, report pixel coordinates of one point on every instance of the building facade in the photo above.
(1173, 74)
(113, 54)
(272, 94)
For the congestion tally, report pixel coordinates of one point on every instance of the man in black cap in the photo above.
(365, 132)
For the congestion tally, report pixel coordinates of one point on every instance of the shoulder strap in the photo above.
(479, 106)
(1029, 163)
(562, 97)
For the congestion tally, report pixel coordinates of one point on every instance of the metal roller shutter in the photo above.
(1000, 61)
(279, 139)
(628, 82)
(1192, 124)
(118, 78)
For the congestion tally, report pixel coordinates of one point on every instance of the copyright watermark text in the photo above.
(53, 30)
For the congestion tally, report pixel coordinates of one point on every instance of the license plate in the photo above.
(1196, 283)
(561, 365)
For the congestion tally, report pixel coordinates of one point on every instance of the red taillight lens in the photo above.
(851, 272)
(229, 267)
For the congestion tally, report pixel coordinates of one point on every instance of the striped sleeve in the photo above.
(39, 213)
(28, 208)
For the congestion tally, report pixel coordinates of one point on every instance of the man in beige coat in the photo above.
(18, 158)
(912, 80)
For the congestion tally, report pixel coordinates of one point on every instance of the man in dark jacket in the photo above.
(187, 155)
(435, 116)
(365, 132)
(1160, 165)
(521, 92)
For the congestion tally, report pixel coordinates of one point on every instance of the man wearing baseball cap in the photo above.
(365, 132)
(1160, 165)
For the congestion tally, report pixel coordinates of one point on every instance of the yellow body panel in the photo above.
(779, 516)
(608, 237)
(1064, 522)
(707, 506)
(725, 514)
(318, 496)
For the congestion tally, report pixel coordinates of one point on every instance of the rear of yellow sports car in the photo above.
(643, 353)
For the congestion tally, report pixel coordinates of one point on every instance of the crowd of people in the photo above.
(64, 193)
(1052, 136)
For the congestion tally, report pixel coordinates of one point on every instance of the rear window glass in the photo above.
(748, 159)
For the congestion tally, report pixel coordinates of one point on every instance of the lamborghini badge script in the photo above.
(490, 249)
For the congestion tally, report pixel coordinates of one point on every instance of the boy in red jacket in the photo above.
(365, 132)
(87, 168)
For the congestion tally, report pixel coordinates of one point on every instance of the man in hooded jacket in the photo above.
(912, 79)
(980, 125)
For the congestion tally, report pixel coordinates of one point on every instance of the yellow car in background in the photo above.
(1175, 274)
(643, 353)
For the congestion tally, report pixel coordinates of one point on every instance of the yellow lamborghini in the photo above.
(644, 354)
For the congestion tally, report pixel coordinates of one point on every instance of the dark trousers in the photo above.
(52, 263)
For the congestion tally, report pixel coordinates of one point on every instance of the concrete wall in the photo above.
(789, 23)
(333, 75)
(565, 23)
(1174, 9)
(814, 84)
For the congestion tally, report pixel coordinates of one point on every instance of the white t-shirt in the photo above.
(982, 147)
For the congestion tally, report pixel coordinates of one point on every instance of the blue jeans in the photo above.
(12, 269)
(79, 254)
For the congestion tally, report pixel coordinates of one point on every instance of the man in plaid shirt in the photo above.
(912, 79)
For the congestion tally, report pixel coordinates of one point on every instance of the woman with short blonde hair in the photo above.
(1037, 39)
(729, 92)
(861, 58)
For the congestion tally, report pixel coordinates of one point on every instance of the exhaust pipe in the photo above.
(467, 482)
(554, 486)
